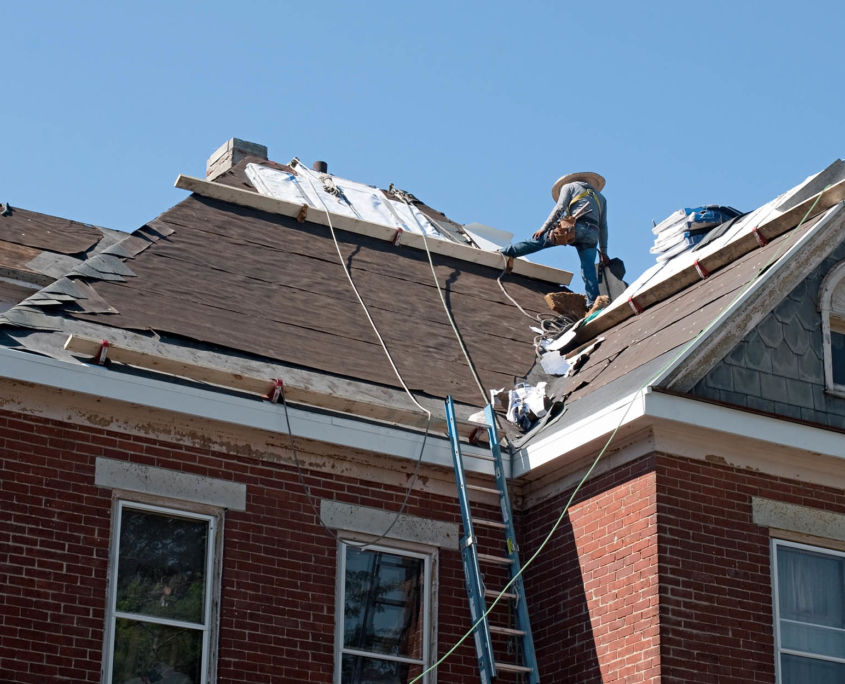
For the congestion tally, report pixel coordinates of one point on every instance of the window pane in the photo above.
(798, 670)
(810, 587)
(820, 640)
(148, 653)
(161, 565)
(360, 670)
(383, 611)
(837, 354)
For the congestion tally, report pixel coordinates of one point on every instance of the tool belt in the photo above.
(564, 232)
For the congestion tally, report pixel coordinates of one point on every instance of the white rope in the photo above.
(413, 481)
(403, 196)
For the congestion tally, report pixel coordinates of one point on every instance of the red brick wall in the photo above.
(593, 594)
(279, 573)
(715, 575)
(593, 590)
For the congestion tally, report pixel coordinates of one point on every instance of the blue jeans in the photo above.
(587, 253)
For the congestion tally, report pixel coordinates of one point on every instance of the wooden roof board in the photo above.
(17, 256)
(40, 231)
(671, 323)
(265, 284)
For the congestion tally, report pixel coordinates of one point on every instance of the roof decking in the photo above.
(239, 278)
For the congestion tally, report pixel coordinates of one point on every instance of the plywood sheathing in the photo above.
(266, 285)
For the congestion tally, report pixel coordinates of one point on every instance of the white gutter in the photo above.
(648, 407)
(263, 415)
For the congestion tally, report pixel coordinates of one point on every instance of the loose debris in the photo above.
(570, 304)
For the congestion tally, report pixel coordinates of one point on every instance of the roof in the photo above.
(220, 280)
(266, 285)
(655, 346)
(36, 249)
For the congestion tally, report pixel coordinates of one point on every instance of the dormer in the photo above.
(832, 307)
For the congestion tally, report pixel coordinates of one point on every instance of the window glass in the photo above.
(798, 670)
(146, 652)
(158, 616)
(811, 614)
(383, 616)
(810, 587)
(837, 356)
(382, 606)
(161, 566)
(362, 670)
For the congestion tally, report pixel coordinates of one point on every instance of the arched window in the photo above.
(832, 307)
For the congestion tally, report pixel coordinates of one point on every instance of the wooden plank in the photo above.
(272, 205)
(712, 262)
(300, 393)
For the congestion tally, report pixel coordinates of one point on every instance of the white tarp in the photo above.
(357, 200)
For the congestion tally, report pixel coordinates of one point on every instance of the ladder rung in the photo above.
(489, 593)
(480, 457)
(486, 490)
(506, 630)
(494, 559)
(507, 667)
(489, 523)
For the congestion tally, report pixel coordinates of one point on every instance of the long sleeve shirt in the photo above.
(595, 219)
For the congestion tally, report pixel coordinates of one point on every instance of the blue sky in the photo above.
(474, 107)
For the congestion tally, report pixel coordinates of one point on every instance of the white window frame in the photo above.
(833, 278)
(429, 556)
(208, 628)
(776, 543)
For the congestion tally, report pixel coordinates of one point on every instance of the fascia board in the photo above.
(253, 200)
(701, 414)
(262, 415)
(653, 407)
(559, 444)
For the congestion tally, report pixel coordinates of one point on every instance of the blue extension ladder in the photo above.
(476, 590)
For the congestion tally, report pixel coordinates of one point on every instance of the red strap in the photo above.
(475, 437)
(276, 391)
(703, 272)
(103, 354)
(397, 239)
(762, 241)
(636, 307)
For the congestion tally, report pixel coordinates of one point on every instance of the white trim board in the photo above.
(650, 407)
(254, 200)
(317, 426)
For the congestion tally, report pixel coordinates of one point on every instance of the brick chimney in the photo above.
(229, 154)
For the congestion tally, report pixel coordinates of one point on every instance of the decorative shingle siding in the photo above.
(779, 366)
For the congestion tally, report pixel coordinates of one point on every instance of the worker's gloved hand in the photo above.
(603, 259)
(538, 234)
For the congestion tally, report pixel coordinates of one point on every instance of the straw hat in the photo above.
(589, 177)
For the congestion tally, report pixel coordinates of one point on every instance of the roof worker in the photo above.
(578, 219)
